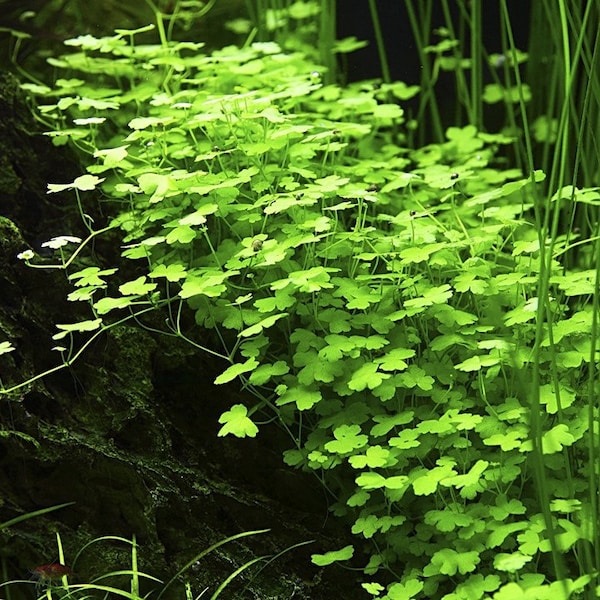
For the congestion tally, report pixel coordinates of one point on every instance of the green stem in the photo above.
(385, 69)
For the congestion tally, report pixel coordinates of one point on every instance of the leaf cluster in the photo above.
(380, 300)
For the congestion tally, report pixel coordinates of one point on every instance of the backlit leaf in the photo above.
(367, 376)
(237, 422)
(548, 397)
(236, 370)
(265, 323)
(347, 439)
(386, 423)
(172, 271)
(322, 560)
(449, 562)
(404, 591)
(510, 562)
(91, 325)
(105, 305)
(304, 397)
(138, 286)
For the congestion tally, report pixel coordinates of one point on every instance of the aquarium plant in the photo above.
(412, 315)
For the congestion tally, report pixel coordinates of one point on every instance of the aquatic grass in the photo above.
(573, 105)
(132, 583)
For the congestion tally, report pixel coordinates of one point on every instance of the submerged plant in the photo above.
(386, 304)
(51, 581)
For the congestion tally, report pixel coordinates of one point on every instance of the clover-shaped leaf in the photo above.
(304, 397)
(376, 456)
(404, 590)
(367, 376)
(449, 561)
(237, 422)
(347, 439)
(386, 423)
(172, 271)
(138, 286)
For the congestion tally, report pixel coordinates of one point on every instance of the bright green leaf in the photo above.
(237, 422)
(236, 370)
(322, 560)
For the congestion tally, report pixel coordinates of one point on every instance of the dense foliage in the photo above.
(381, 302)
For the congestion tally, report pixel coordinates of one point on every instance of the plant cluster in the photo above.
(57, 580)
(381, 302)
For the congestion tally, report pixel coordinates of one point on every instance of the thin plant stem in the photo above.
(427, 100)
(383, 61)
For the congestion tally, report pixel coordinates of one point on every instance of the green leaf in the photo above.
(554, 440)
(322, 560)
(477, 362)
(349, 44)
(265, 323)
(408, 438)
(565, 506)
(236, 370)
(427, 483)
(367, 376)
(373, 588)
(237, 422)
(376, 456)
(548, 397)
(172, 271)
(205, 282)
(112, 156)
(338, 347)
(6, 347)
(309, 280)
(370, 480)
(416, 377)
(405, 590)
(395, 359)
(510, 562)
(448, 561)
(501, 531)
(434, 295)
(280, 301)
(266, 372)
(347, 439)
(526, 311)
(91, 276)
(417, 254)
(156, 185)
(137, 286)
(105, 305)
(386, 423)
(508, 440)
(83, 183)
(183, 234)
(145, 122)
(91, 325)
(315, 369)
(304, 397)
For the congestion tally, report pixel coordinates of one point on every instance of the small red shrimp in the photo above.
(46, 575)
